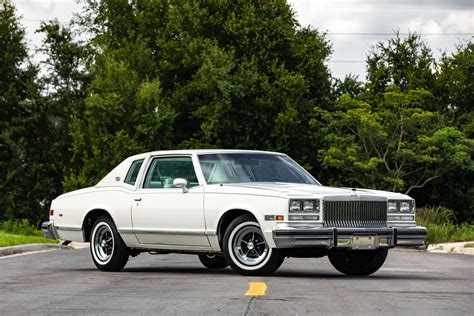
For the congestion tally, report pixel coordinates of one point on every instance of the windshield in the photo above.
(243, 167)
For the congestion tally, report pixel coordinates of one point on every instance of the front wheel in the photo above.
(357, 262)
(108, 250)
(246, 250)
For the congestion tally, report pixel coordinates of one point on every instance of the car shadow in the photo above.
(183, 270)
(284, 273)
(376, 276)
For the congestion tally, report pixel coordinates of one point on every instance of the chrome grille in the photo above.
(355, 213)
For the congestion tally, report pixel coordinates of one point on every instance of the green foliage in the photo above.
(7, 239)
(350, 85)
(438, 233)
(25, 184)
(396, 140)
(20, 227)
(122, 116)
(64, 83)
(230, 74)
(435, 215)
(455, 85)
(404, 62)
(439, 221)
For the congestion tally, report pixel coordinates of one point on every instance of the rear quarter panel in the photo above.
(71, 210)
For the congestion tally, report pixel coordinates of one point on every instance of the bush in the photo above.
(435, 215)
(20, 227)
(440, 224)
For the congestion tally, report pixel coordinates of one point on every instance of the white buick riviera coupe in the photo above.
(246, 209)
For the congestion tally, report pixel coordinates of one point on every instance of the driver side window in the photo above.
(163, 171)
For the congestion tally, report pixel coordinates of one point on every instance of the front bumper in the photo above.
(49, 231)
(349, 238)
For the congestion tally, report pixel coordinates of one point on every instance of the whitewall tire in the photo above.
(246, 250)
(108, 250)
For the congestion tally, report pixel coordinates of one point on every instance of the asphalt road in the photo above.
(66, 282)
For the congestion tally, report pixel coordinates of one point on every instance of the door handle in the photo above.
(138, 199)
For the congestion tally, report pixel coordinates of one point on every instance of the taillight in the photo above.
(51, 212)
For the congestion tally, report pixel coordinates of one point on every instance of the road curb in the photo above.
(15, 250)
(452, 247)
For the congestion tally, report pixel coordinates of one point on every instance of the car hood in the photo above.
(295, 190)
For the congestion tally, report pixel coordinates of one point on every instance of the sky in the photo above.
(353, 27)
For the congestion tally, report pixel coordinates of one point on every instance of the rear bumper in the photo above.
(49, 231)
(350, 238)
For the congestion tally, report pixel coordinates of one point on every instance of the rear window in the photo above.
(132, 173)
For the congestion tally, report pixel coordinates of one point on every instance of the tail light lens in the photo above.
(51, 212)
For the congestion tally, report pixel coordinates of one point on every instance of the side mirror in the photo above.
(181, 183)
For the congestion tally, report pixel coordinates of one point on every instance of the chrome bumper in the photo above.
(351, 238)
(49, 231)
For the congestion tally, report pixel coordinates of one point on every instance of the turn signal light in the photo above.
(274, 217)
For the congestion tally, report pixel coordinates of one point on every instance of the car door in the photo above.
(166, 216)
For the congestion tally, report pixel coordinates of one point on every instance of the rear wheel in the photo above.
(357, 262)
(108, 250)
(213, 261)
(246, 250)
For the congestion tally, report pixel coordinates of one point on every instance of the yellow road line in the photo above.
(256, 289)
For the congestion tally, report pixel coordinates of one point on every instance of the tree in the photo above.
(349, 85)
(405, 62)
(455, 91)
(65, 80)
(455, 85)
(24, 168)
(395, 145)
(232, 74)
(123, 116)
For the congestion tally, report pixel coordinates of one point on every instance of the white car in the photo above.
(246, 209)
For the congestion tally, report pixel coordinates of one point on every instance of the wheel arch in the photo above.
(90, 219)
(227, 217)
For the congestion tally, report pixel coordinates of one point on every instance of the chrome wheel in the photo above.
(245, 249)
(249, 246)
(103, 243)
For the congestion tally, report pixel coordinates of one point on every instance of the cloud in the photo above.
(384, 16)
(39, 8)
(462, 22)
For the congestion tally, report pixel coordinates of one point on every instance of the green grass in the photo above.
(9, 239)
(21, 232)
(439, 223)
(20, 227)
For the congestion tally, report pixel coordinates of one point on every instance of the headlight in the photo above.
(306, 210)
(392, 207)
(311, 206)
(403, 210)
(295, 206)
(407, 207)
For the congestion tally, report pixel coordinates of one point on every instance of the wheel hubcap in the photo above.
(104, 243)
(249, 246)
